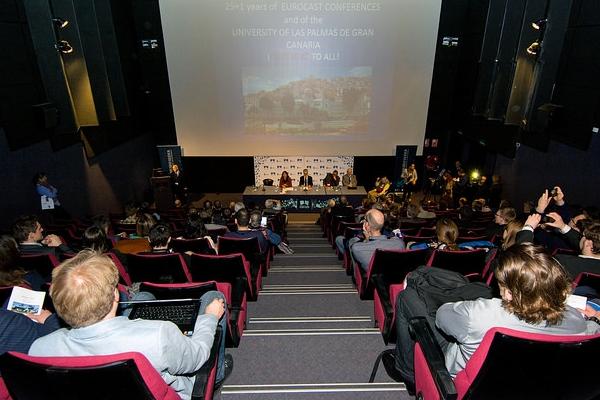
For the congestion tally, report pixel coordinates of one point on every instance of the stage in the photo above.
(296, 199)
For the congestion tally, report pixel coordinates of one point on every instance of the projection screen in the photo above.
(282, 77)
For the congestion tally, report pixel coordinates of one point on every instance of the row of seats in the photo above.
(237, 272)
(238, 269)
(107, 377)
(508, 363)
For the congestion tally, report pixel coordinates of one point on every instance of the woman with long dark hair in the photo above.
(285, 181)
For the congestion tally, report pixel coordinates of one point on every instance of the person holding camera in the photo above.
(588, 245)
(551, 201)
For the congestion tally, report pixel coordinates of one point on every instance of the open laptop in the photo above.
(182, 312)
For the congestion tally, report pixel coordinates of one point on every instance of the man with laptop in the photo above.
(85, 295)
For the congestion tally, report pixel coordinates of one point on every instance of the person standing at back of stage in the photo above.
(177, 183)
(410, 181)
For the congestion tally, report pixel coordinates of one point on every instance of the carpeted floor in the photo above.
(309, 335)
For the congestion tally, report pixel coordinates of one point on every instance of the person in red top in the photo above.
(285, 181)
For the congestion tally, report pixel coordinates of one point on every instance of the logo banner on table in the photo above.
(318, 167)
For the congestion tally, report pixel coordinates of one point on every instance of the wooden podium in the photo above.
(163, 195)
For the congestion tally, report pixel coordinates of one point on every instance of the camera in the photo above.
(545, 219)
(552, 192)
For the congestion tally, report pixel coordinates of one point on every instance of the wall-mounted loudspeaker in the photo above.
(46, 115)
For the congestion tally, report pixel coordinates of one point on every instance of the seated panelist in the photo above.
(349, 179)
(332, 179)
(306, 181)
(285, 181)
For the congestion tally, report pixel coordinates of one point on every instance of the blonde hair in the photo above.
(511, 229)
(538, 284)
(447, 232)
(507, 213)
(83, 288)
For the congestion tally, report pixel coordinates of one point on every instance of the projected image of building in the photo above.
(315, 105)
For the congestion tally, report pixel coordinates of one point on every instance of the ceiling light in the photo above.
(64, 47)
(539, 24)
(60, 23)
(534, 48)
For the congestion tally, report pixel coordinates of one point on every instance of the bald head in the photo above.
(375, 219)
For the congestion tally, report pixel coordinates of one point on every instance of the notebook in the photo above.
(182, 312)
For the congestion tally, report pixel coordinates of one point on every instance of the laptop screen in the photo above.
(182, 312)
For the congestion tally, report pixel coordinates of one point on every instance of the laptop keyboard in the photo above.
(179, 314)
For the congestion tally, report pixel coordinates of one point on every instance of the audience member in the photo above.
(84, 291)
(465, 212)
(511, 230)
(424, 214)
(95, 238)
(342, 208)
(103, 222)
(272, 207)
(552, 201)
(10, 272)
(446, 232)
(139, 242)
(195, 229)
(495, 191)
(482, 189)
(589, 246)
(19, 331)
(460, 186)
(534, 290)
(362, 250)
(131, 213)
(217, 214)
(242, 220)
(255, 224)
(28, 233)
(502, 217)
(160, 238)
(238, 206)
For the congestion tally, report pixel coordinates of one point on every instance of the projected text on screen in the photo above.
(252, 77)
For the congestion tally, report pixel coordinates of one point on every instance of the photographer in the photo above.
(588, 245)
(551, 201)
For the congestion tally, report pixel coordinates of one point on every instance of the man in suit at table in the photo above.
(349, 179)
(306, 181)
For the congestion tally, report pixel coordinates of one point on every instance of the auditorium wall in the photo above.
(575, 171)
(98, 185)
